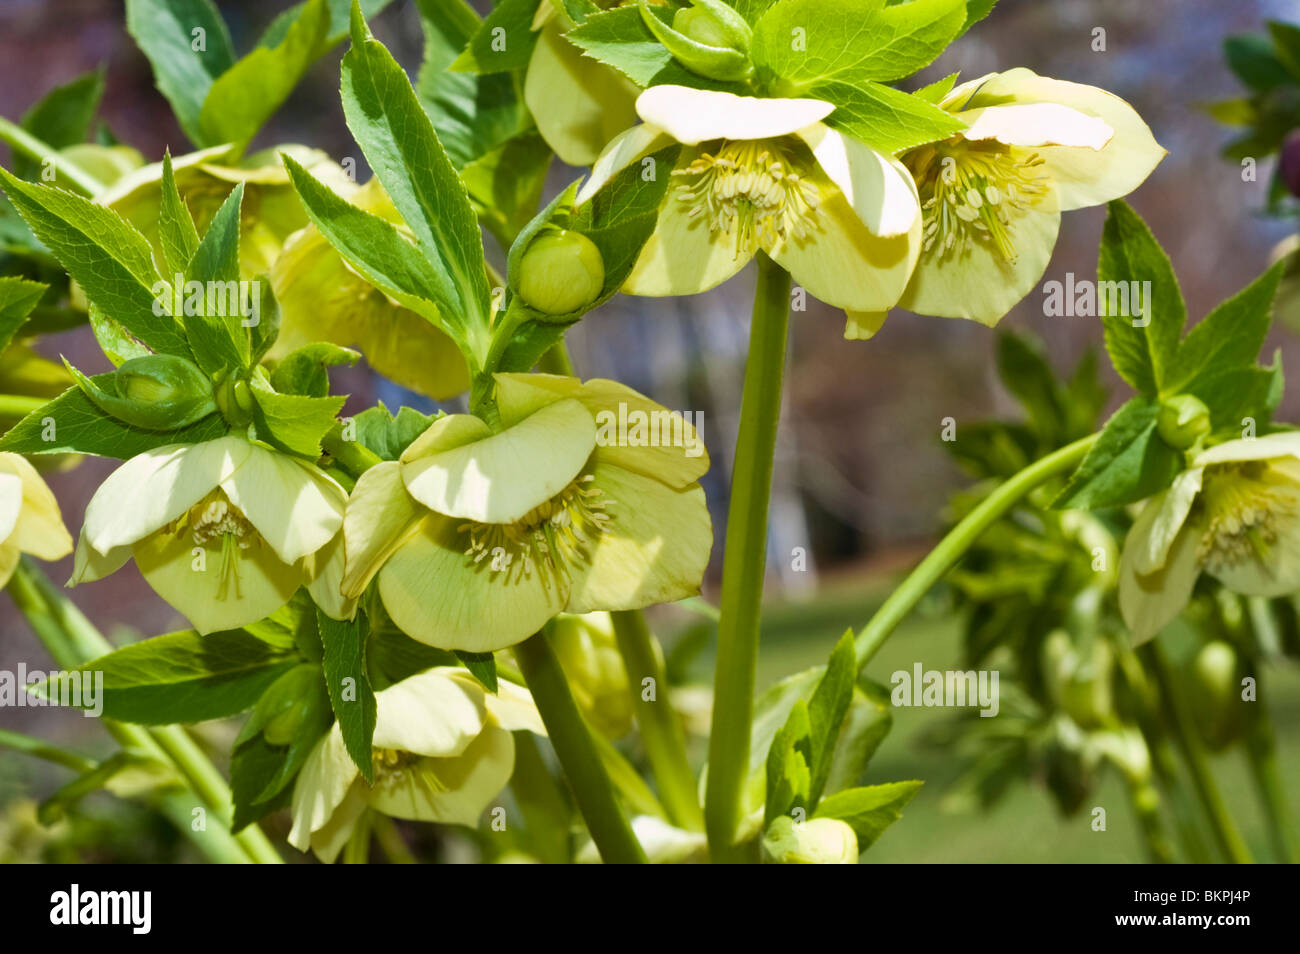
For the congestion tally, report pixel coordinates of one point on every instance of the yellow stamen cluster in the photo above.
(550, 538)
(971, 192)
(1242, 510)
(215, 518)
(393, 767)
(751, 191)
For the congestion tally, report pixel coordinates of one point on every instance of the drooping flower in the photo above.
(30, 521)
(442, 751)
(578, 103)
(226, 531)
(1234, 513)
(992, 196)
(586, 498)
(322, 298)
(766, 174)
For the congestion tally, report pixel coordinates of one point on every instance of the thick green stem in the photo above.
(745, 559)
(960, 539)
(576, 749)
(28, 145)
(1198, 763)
(661, 730)
(1145, 800)
(72, 640)
(1261, 750)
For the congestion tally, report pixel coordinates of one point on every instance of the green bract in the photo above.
(478, 537)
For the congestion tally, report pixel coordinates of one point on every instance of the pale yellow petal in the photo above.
(692, 116)
(877, 187)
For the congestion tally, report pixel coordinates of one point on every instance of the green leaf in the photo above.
(936, 91)
(1130, 254)
(17, 299)
(1286, 45)
(388, 435)
(293, 422)
(176, 232)
(61, 118)
(885, 118)
(398, 139)
(304, 370)
(789, 778)
(826, 711)
(506, 184)
(185, 677)
(977, 10)
(1251, 57)
(1025, 372)
(374, 247)
(219, 340)
(853, 41)
(349, 686)
(105, 255)
(340, 17)
(619, 38)
(71, 424)
(1128, 463)
(473, 114)
(1239, 393)
(392, 656)
(299, 695)
(504, 41)
(869, 810)
(1230, 336)
(254, 766)
(168, 32)
(483, 666)
(245, 95)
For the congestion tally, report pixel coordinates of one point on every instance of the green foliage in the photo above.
(350, 692)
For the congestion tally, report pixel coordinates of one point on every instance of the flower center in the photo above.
(971, 191)
(752, 191)
(214, 520)
(1242, 508)
(550, 539)
(393, 767)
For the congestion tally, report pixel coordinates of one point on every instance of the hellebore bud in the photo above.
(1183, 420)
(1218, 693)
(710, 39)
(1079, 683)
(287, 705)
(560, 272)
(588, 654)
(158, 392)
(818, 841)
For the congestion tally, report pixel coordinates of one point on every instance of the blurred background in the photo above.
(861, 476)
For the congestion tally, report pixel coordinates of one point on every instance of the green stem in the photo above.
(1198, 763)
(1261, 750)
(960, 539)
(19, 405)
(745, 559)
(557, 361)
(352, 456)
(357, 850)
(661, 730)
(40, 749)
(391, 841)
(577, 752)
(72, 640)
(1145, 800)
(28, 145)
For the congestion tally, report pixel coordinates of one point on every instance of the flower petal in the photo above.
(90, 565)
(511, 707)
(11, 503)
(1037, 124)
(863, 325)
(380, 516)
(653, 550)
(1172, 508)
(455, 791)
(192, 582)
(438, 595)
(578, 103)
(321, 787)
(632, 431)
(623, 150)
(39, 528)
(1149, 602)
(978, 282)
(692, 116)
(683, 255)
(842, 263)
(295, 507)
(1265, 447)
(877, 187)
(500, 478)
(430, 713)
(324, 570)
(154, 488)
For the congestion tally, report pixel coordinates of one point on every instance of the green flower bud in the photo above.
(1184, 419)
(288, 704)
(158, 392)
(818, 841)
(716, 45)
(588, 654)
(561, 272)
(1218, 703)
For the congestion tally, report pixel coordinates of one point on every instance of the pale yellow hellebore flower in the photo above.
(767, 174)
(1235, 514)
(30, 521)
(442, 751)
(226, 531)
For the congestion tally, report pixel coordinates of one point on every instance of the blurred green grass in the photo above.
(1025, 825)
